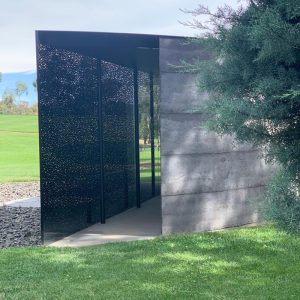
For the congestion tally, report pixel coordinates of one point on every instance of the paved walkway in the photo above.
(28, 202)
(133, 224)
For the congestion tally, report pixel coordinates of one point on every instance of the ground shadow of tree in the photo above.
(235, 264)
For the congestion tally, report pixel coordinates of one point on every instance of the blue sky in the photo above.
(19, 19)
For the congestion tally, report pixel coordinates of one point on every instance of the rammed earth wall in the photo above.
(207, 182)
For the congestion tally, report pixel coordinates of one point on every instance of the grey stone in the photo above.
(211, 211)
(28, 202)
(184, 134)
(175, 50)
(205, 178)
(10, 191)
(187, 174)
(20, 226)
(180, 94)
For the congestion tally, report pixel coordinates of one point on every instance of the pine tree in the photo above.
(254, 82)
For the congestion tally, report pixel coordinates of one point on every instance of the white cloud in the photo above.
(19, 19)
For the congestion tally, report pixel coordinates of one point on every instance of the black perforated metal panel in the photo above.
(90, 112)
(118, 137)
(69, 141)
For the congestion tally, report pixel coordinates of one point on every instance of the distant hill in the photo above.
(9, 81)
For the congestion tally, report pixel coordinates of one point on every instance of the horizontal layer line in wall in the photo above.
(216, 191)
(210, 153)
(182, 113)
(169, 71)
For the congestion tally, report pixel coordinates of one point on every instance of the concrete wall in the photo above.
(207, 182)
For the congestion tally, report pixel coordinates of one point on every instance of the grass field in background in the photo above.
(145, 165)
(19, 158)
(246, 263)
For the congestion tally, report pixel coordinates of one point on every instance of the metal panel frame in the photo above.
(147, 61)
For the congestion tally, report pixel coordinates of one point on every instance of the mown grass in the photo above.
(19, 158)
(247, 263)
(145, 165)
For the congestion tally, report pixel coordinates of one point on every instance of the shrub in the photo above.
(282, 202)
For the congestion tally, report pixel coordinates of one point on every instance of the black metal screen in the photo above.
(91, 114)
(69, 141)
(118, 137)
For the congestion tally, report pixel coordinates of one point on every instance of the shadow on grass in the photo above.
(252, 263)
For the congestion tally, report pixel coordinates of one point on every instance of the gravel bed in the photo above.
(20, 226)
(18, 190)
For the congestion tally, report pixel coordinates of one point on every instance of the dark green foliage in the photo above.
(282, 204)
(9, 105)
(8, 98)
(144, 128)
(254, 80)
(144, 113)
(21, 88)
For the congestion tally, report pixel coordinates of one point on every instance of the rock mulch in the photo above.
(18, 190)
(19, 226)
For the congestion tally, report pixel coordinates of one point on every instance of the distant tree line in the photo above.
(144, 114)
(12, 103)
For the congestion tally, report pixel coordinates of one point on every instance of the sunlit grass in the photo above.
(248, 263)
(19, 159)
(145, 165)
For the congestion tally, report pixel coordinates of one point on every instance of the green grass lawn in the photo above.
(19, 148)
(247, 263)
(19, 159)
(145, 165)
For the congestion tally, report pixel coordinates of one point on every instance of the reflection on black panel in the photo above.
(69, 141)
(87, 140)
(118, 137)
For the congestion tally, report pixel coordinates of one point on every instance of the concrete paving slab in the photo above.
(133, 224)
(27, 202)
